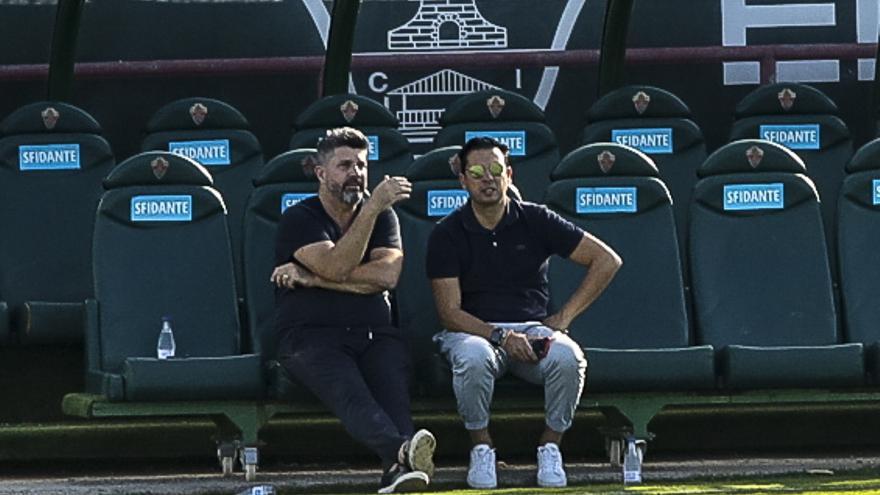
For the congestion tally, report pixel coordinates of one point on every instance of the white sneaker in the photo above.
(481, 473)
(551, 474)
(418, 453)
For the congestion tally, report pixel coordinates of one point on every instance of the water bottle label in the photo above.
(165, 354)
(632, 477)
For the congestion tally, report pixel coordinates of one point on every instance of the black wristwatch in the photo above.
(498, 335)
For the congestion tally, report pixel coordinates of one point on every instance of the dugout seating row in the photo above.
(44, 308)
(763, 300)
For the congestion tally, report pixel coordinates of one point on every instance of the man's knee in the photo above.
(566, 357)
(474, 357)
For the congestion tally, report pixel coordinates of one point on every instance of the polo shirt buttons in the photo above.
(494, 242)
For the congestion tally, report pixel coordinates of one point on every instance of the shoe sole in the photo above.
(553, 485)
(410, 482)
(420, 455)
(477, 486)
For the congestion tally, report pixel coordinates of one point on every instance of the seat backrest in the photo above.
(161, 247)
(436, 192)
(282, 184)
(758, 259)
(389, 152)
(804, 120)
(219, 137)
(858, 235)
(657, 123)
(515, 121)
(615, 193)
(52, 160)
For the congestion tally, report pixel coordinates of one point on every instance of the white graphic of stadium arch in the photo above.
(447, 25)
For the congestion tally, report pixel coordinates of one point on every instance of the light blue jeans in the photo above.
(476, 364)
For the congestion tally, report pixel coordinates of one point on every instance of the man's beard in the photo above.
(346, 193)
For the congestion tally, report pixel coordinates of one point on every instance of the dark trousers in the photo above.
(362, 376)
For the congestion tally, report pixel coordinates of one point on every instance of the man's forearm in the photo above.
(458, 320)
(381, 273)
(348, 252)
(348, 286)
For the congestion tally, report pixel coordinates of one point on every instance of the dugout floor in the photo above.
(143, 479)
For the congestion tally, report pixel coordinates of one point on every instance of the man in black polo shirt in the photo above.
(487, 262)
(337, 255)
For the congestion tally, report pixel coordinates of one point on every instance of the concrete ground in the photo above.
(188, 481)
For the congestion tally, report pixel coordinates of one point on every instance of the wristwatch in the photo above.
(498, 335)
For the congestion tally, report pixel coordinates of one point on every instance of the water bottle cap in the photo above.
(166, 318)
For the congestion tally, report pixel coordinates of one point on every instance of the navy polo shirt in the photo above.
(307, 307)
(502, 272)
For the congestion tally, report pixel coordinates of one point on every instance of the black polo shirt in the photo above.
(303, 307)
(502, 272)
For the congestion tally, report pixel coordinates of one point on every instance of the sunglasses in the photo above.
(478, 171)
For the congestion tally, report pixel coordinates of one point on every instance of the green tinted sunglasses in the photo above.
(478, 171)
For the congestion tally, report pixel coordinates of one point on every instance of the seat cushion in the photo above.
(631, 370)
(202, 378)
(748, 367)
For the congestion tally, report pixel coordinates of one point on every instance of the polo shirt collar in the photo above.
(511, 215)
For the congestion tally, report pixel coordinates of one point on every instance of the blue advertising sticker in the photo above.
(373, 150)
(876, 186)
(161, 208)
(656, 141)
(443, 201)
(49, 157)
(793, 137)
(208, 153)
(515, 140)
(290, 199)
(754, 196)
(606, 200)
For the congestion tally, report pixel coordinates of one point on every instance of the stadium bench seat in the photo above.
(282, 184)
(389, 152)
(858, 236)
(52, 160)
(804, 120)
(513, 120)
(161, 247)
(636, 335)
(761, 280)
(219, 137)
(657, 123)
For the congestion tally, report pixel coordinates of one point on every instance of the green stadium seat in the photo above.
(657, 123)
(389, 150)
(761, 279)
(615, 193)
(52, 160)
(858, 236)
(804, 120)
(281, 184)
(219, 137)
(513, 120)
(161, 247)
(436, 192)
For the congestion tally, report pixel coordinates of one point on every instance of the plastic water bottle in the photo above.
(166, 347)
(632, 463)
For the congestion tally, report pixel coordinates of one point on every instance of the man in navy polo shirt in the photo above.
(487, 262)
(337, 255)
